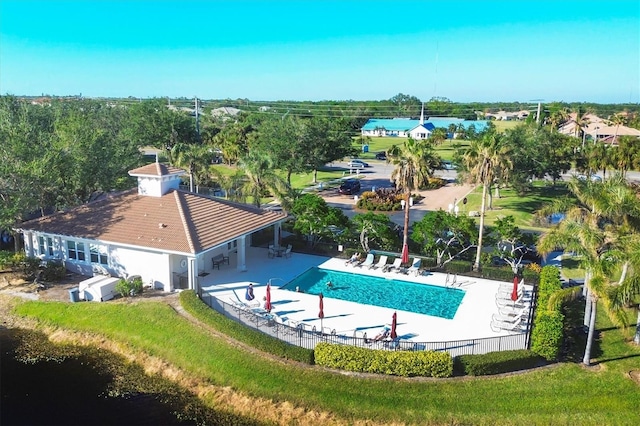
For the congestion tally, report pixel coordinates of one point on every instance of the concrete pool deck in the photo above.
(471, 321)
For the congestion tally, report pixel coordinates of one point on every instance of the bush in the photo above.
(496, 362)
(196, 307)
(396, 363)
(54, 270)
(26, 266)
(547, 333)
(129, 287)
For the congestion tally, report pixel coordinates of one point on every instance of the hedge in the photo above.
(254, 338)
(496, 362)
(547, 333)
(396, 363)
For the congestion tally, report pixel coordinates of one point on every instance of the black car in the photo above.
(350, 187)
(381, 156)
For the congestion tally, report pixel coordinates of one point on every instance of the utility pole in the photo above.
(197, 118)
(538, 116)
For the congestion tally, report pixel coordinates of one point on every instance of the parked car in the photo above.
(357, 164)
(448, 165)
(350, 187)
(381, 156)
(593, 177)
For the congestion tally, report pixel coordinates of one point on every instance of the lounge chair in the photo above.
(368, 261)
(415, 267)
(395, 266)
(497, 325)
(382, 262)
(522, 295)
(515, 304)
(520, 317)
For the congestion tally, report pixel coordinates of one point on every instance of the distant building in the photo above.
(225, 112)
(417, 129)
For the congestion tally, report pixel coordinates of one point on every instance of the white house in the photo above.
(164, 234)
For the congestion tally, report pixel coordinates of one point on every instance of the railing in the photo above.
(306, 336)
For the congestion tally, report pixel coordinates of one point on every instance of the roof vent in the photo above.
(162, 225)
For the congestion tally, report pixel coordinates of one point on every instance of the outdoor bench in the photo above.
(219, 259)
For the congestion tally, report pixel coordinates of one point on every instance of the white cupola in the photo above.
(156, 179)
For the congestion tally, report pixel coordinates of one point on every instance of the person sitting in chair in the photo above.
(355, 258)
(384, 333)
(249, 295)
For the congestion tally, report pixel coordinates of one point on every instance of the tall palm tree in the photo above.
(414, 163)
(616, 120)
(260, 177)
(487, 159)
(596, 227)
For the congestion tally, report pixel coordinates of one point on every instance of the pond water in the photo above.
(77, 390)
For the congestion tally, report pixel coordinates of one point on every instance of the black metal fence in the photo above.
(306, 336)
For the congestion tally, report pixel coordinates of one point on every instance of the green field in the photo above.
(564, 394)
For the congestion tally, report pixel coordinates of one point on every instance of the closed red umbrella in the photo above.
(321, 313)
(394, 324)
(405, 253)
(514, 292)
(267, 304)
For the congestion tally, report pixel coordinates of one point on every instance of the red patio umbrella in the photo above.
(267, 304)
(394, 324)
(321, 313)
(514, 292)
(405, 253)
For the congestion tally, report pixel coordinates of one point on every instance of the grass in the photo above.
(501, 126)
(566, 394)
(521, 207)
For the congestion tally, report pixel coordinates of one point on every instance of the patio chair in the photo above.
(522, 295)
(515, 304)
(272, 253)
(497, 325)
(395, 266)
(368, 261)
(382, 262)
(520, 317)
(415, 267)
(287, 252)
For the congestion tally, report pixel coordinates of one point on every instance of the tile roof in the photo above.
(178, 221)
(156, 169)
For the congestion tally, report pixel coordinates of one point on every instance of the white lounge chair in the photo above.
(497, 325)
(287, 252)
(395, 266)
(520, 317)
(368, 261)
(519, 303)
(272, 253)
(381, 263)
(415, 267)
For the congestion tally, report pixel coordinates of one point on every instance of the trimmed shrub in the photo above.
(26, 266)
(496, 362)
(396, 363)
(547, 333)
(129, 288)
(196, 307)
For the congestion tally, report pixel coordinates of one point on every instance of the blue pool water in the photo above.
(395, 294)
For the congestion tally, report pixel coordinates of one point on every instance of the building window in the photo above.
(50, 246)
(41, 245)
(75, 251)
(98, 254)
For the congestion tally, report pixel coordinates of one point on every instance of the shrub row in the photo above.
(397, 363)
(548, 324)
(196, 307)
(496, 362)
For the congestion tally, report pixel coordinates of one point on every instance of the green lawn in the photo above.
(501, 126)
(522, 208)
(564, 394)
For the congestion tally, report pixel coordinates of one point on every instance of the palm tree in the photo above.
(487, 159)
(260, 177)
(616, 120)
(193, 158)
(414, 163)
(597, 227)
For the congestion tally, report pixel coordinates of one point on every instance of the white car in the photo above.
(593, 178)
(357, 164)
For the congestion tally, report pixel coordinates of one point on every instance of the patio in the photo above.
(472, 319)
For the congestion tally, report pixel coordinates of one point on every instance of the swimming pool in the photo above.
(389, 293)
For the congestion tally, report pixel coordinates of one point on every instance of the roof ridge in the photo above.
(183, 217)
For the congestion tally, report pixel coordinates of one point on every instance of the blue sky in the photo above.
(486, 51)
